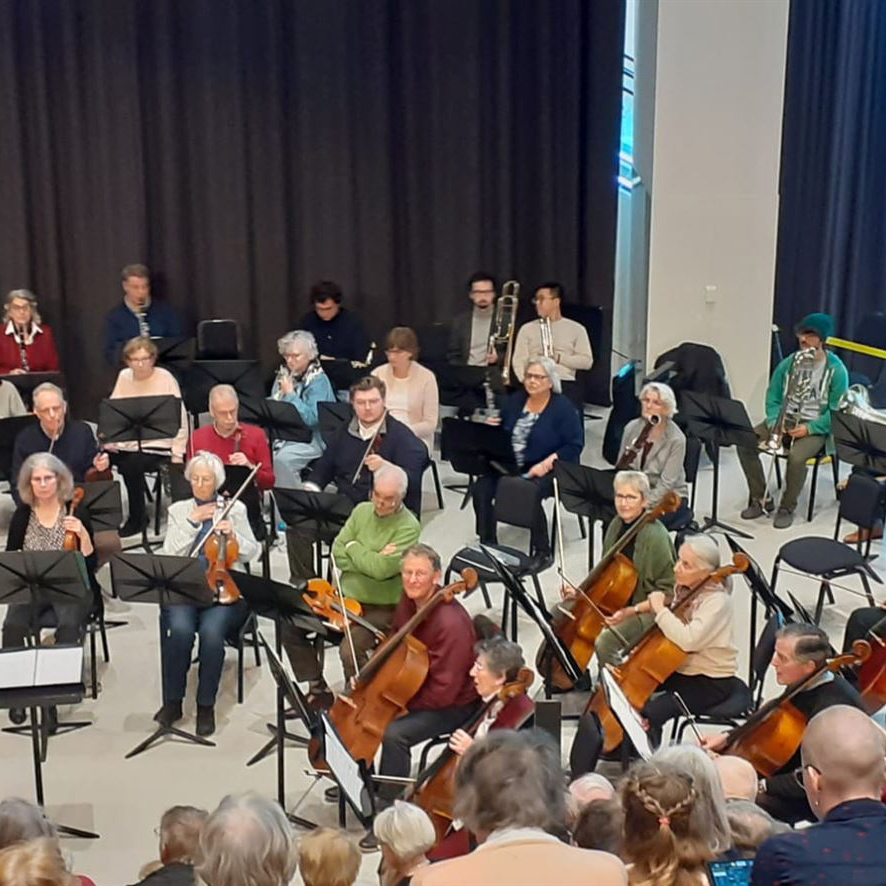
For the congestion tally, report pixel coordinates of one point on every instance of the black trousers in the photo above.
(70, 620)
(132, 467)
(699, 692)
(483, 494)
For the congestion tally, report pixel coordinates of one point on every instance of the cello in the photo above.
(872, 673)
(387, 682)
(770, 737)
(434, 788)
(650, 660)
(607, 588)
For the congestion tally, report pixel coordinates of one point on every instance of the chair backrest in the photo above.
(218, 340)
(515, 501)
(861, 502)
(764, 650)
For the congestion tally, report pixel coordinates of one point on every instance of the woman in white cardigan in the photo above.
(412, 396)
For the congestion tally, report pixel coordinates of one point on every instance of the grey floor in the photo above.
(89, 784)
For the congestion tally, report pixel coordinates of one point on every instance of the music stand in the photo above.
(166, 581)
(26, 383)
(462, 386)
(587, 492)
(320, 515)
(721, 422)
(480, 448)
(55, 678)
(343, 373)
(10, 428)
(860, 443)
(104, 502)
(175, 353)
(203, 375)
(280, 421)
(139, 419)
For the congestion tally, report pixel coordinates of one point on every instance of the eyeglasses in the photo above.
(627, 496)
(798, 773)
(140, 360)
(536, 376)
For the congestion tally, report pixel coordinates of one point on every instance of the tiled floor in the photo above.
(89, 784)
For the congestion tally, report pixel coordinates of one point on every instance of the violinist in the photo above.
(655, 445)
(800, 650)
(652, 553)
(45, 486)
(189, 521)
(703, 630)
(27, 344)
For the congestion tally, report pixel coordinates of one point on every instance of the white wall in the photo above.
(718, 86)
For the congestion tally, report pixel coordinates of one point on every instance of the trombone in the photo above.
(504, 322)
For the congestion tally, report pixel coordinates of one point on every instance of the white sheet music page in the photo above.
(17, 668)
(58, 665)
(342, 764)
(626, 714)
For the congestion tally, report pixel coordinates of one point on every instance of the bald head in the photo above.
(738, 777)
(846, 755)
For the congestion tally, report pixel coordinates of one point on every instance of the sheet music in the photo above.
(17, 668)
(626, 714)
(59, 665)
(343, 766)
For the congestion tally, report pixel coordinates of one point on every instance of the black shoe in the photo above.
(205, 719)
(18, 715)
(330, 795)
(170, 713)
(133, 527)
(540, 562)
(369, 843)
(50, 720)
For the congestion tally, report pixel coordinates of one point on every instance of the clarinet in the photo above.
(22, 349)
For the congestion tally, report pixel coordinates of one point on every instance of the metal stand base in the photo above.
(162, 732)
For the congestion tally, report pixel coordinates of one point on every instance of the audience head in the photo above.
(20, 821)
(738, 778)
(326, 299)
(657, 398)
(631, 494)
(368, 399)
(136, 280)
(21, 308)
(843, 753)
(498, 662)
(328, 857)
(247, 839)
(35, 863)
(404, 833)
(708, 820)
(751, 825)
(421, 571)
(206, 474)
(698, 557)
(180, 828)
(659, 839)
(600, 825)
(589, 788)
(140, 355)
(800, 649)
(50, 408)
(481, 289)
(511, 779)
(43, 477)
(389, 485)
(224, 407)
(541, 377)
(298, 349)
(401, 347)
(548, 300)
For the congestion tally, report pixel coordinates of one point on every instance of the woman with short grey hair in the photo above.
(208, 461)
(302, 384)
(405, 834)
(27, 343)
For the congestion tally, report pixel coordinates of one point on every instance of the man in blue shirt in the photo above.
(843, 765)
(138, 315)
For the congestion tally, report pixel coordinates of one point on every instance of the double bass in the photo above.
(386, 683)
(650, 660)
(872, 673)
(608, 587)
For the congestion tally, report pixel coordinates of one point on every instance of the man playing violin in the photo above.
(800, 650)
(367, 551)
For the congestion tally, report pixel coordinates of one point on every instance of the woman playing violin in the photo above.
(190, 521)
(703, 630)
(40, 523)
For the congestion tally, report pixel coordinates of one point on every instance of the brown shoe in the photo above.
(861, 535)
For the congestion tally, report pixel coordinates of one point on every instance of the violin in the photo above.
(72, 540)
(650, 660)
(94, 475)
(608, 587)
(386, 684)
(222, 552)
(434, 788)
(770, 737)
(323, 600)
(872, 673)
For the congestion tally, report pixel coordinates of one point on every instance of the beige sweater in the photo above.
(414, 400)
(160, 383)
(572, 347)
(706, 635)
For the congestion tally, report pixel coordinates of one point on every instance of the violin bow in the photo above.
(690, 717)
(336, 583)
(369, 446)
(225, 510)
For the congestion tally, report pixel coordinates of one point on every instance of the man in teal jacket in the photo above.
(806, 414)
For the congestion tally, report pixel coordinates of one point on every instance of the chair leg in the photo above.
(467, 496)
(867, 587)
(581, 526)
(484, 590)
(93, 667)
(436, 475)
(810, 508)
(240, 692)
(255, 645)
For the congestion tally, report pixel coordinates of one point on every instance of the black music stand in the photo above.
(10, 428)
(281, 421)
(37, 579)
(318, 514)
(721, 422)
(26, 382)
(587, 492)
(38, 695)
(860, 443)
(343, 373)
(480, 448)
(203, 375)
(462, 386)
(166, 581)
(175, 353)
(104, 502)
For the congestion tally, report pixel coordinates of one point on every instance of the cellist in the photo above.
(800, 650)
(704, 631)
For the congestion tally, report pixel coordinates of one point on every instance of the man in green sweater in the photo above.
(368, 551)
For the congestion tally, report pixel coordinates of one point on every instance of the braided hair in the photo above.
(658, 801)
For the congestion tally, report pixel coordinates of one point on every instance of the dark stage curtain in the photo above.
(832, 220)
(246, 148)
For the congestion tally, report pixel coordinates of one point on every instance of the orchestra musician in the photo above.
(411, 389)
(367, 551)
(543, 426)
(470, 330)
(861, 622)
(303, 385)
(651, 552)
(28, 344)
(45, 487)
(190, 520)
(11, 403)
(138, 315)
(69, 440)
(142, 378)
(800, 650)
(703, 629)
(340, 333)
(658, 449)
(802, 407)
(569, 343)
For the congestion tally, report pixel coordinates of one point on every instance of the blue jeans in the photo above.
(178, 627)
